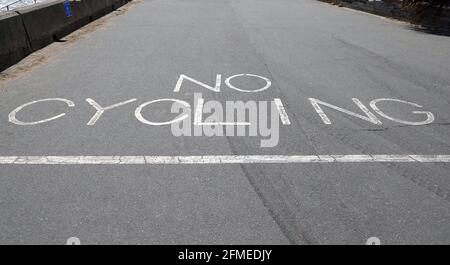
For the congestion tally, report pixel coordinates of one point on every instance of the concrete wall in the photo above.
(13, 39)
(31, 28)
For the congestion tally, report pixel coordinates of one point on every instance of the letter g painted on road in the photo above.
(430, 116)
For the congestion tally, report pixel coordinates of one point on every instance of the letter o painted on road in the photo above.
(267, 80)
(139, 116)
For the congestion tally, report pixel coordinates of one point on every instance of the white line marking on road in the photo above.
(283, 115)
(218, 159)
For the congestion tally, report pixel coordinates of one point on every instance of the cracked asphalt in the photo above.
(308, 49)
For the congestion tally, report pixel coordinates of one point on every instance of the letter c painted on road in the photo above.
(13, 119)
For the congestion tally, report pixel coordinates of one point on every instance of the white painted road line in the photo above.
(218, 159)
(283, 115)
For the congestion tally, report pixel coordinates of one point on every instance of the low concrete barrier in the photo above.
(41, 24)
(48, 22)
(13, 40)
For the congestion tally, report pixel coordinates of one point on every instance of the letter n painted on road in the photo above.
(370, 117)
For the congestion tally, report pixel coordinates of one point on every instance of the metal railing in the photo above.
(8, 6)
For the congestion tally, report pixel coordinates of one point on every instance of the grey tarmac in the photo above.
(307, 49)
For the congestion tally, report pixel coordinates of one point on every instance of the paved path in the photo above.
(332, 177)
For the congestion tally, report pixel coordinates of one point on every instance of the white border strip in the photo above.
(217, 159)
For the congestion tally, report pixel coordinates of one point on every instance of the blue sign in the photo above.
(67, 8)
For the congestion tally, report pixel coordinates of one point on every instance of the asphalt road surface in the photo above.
(227, 189)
